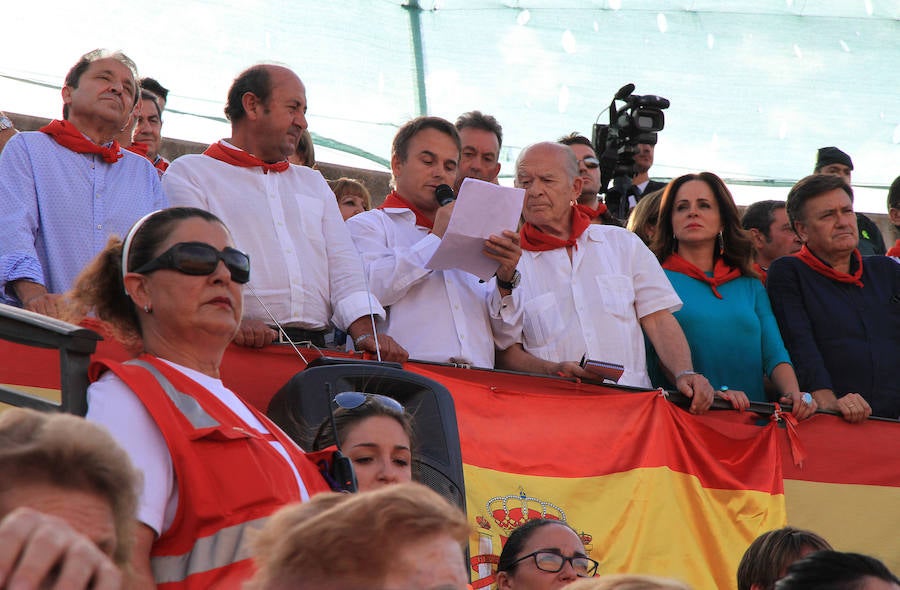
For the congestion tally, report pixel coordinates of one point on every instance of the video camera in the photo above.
(636, 122)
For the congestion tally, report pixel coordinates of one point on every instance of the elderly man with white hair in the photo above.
(593, 290)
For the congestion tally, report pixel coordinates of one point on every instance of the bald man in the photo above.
(306, 270)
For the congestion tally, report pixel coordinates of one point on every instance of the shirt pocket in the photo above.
(617, 295)
(312, 220)
(542, 323)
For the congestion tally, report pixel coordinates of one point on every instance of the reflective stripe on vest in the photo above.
(228, 546)
(187, 405)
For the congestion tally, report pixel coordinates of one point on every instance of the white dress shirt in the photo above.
(593, 305)
(441, 316)
(303, 263)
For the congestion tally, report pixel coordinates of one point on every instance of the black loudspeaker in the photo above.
(303, 403)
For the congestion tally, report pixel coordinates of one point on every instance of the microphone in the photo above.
(624, 92)
(444, 195)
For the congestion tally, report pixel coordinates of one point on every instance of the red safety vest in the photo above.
(230, 478)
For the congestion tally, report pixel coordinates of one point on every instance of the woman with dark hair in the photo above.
(769, 555)
(543, 554)
(726, 315)
(833, 570)
(213, 467)
(375, 432)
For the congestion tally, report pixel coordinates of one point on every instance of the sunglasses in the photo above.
(590, 162)
(199, 259)
(350, 400)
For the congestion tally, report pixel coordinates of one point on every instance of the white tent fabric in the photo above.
(756, 86)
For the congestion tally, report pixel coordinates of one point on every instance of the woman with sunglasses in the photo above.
(375, 432)
(543, 554)
(212, 466)
(726, 315)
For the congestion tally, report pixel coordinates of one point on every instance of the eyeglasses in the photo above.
(590, 162)
(350, 400)
(197, 259)
(549, 561)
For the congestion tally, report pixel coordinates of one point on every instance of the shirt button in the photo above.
(99, 226)
(98, 195)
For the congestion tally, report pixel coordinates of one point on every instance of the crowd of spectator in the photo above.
(98, 222)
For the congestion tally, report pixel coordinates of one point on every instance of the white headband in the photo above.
(129, 237)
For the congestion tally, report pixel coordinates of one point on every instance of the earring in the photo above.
(721, 244)
(148, 309)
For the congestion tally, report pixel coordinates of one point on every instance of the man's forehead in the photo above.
(435, 142)
(287, 82)
(542, 158)
(479, 138)
(582, 150)
(148, 107)
(833, 199)
(109, 64)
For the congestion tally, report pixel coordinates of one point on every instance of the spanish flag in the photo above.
(848, 489)
(649, 487)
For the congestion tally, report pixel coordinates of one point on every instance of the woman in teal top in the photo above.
(726, 316)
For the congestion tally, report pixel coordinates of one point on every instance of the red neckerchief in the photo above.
(68, 136)
(160, 164)
(138, 148)
(812, 261)
(533, 239)
(763, 273)
(722, 271)
(395, 201)
(243, 159)
(590, 211)
(895, 249)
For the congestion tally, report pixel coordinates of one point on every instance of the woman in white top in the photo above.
(212, 465)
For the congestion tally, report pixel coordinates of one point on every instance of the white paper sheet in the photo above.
(481, 209)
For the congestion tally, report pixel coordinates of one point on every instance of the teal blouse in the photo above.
(734, 340)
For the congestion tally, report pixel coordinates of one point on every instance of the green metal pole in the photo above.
(415, 26)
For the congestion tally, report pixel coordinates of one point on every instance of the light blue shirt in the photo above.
(58, 208)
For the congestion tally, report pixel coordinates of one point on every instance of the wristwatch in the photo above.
(5, 122)
(513, 282)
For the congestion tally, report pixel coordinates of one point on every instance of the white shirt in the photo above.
(303, 263)
(114, 405)
(441, 316)
(592, 306)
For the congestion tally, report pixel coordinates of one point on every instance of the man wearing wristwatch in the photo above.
(7, 129)
(593, 291)
(441, 316)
